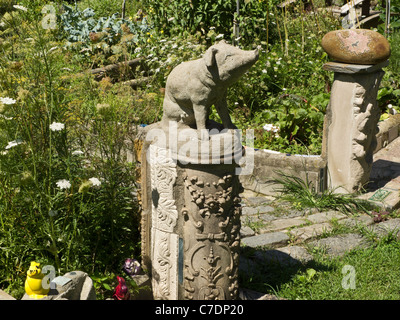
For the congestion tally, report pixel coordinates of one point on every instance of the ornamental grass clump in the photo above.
(303, 195)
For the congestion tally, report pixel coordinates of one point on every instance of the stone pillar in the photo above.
(353, 115)
(191, 213)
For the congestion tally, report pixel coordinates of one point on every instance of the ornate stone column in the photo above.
(189, 181)
(353, 115)
(191, 213)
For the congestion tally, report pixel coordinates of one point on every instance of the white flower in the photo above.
(56, 126)
(7, 100)
(16, 6)
(13, 143)
(5, 118)
(96, 182)
(268, 127)
(63, 184)
(77, 153)
(264, 71)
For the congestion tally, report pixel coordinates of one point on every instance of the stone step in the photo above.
(256, 210)
(391, 226)
(271, 239)
(321, 217)
(282, 224)
(287, 223)
(310, 232)
(340, 244)
(285, 256)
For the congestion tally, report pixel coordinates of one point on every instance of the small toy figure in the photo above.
(131, 267)
(33, 282)
(121, 290)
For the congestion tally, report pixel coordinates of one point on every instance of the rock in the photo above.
(391, 226)
(280, 224)
(5, 296)
(339, 245)
(321, 217)
(358, 46)
(255, 201)
(246, 231)
(286, 256)
(256, 210)
(272, 239)
(143, 283)
(312, 231)
(363, 220)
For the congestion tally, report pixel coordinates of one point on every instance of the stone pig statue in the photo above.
(194, 86)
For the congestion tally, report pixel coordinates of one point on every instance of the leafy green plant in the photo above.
(88, 34)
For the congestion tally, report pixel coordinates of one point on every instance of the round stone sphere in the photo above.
(358, 46)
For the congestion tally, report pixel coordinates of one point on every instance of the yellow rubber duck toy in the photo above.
(33, 282)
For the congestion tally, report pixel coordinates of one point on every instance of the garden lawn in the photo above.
(375, 270)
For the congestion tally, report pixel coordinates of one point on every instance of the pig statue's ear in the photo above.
(209, 56)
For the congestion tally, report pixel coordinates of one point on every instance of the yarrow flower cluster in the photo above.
(95, 182)
(57, 126)
(13, 143)
(270, 127)
(63, 184)
(19, 7)
(77, 153)
(7, 100)
(86, 185)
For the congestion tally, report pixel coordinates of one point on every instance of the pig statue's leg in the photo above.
(201, 116)
(222, 109)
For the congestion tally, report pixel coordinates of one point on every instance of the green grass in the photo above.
(375, 270)
(376, 276)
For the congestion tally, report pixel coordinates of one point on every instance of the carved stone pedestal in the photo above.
(352, 116)
(191, 214)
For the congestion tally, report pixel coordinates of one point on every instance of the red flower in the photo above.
(121, 291)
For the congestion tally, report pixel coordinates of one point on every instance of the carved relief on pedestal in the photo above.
(164, 216)
(163, 176)
(212, 226)
(366, 116)
(164, 269)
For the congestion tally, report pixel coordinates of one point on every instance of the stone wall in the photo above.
(268, 165)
